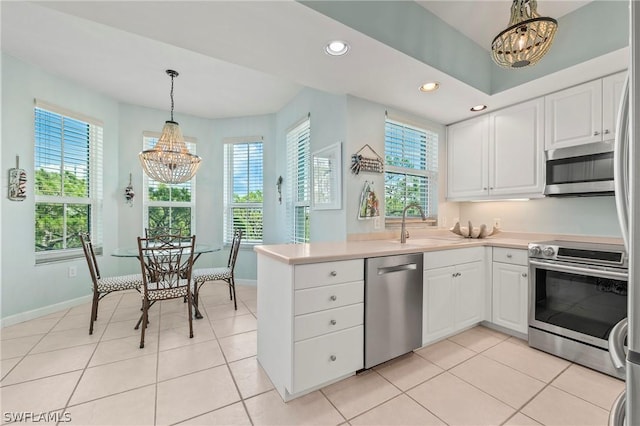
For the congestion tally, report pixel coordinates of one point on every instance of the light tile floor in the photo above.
(480, 376)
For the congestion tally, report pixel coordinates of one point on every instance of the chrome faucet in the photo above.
(403, 231)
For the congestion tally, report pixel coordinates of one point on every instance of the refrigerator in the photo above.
(626, 408)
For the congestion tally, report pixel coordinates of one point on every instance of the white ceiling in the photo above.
(240, 58)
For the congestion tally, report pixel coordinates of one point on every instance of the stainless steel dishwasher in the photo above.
(393, 307)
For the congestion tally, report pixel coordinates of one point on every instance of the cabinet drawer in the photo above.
(327, 273)
(328, 297)
(323, 322)
(513, 256)
(327, 357)
(439, 259)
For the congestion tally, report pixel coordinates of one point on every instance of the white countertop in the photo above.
(293, 254)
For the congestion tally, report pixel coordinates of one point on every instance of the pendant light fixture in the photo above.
(169, 161)
(527, 39)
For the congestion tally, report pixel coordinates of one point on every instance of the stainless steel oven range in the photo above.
(577, 294)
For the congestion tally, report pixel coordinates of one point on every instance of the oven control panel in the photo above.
(543, 251)
(588, 253)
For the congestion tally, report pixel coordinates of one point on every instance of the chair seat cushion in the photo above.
(120, 282)
(211, 274)
(161, 290)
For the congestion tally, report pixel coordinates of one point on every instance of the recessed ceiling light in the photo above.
(337, 48)
(478, 108)
(430, 87)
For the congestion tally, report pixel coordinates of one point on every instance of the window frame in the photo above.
(432, 175)
(300, 135)
(147, 203)
(228, 202)
(93, 200)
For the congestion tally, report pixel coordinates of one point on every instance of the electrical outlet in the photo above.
(497, 222)
(73, 271)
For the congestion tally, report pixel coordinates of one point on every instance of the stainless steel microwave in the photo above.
(584, 170)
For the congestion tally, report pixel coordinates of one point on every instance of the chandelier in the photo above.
(169, 161)
(527, 39)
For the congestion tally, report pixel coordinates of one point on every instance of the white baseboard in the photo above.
(45, 310)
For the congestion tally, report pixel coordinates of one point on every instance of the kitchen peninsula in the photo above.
(311, 299)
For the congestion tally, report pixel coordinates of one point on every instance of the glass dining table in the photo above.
(198, 250)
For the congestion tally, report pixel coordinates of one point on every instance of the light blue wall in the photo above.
(26, 287)
(328, 126)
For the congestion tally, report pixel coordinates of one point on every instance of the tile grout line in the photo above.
(226, 361)
(75, 388)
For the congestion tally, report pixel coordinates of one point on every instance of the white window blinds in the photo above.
(243, 190)
(298, 181)
(68, 182)
(411, 170)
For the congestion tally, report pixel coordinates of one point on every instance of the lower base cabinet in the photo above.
(510, 292)
(453, 296)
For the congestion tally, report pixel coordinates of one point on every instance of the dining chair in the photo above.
(224, 273)
(166, 262)
(104, 285)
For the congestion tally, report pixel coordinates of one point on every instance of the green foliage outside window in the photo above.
(170, 216)
(51, 217)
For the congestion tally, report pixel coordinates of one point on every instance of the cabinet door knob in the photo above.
(332, 322)
(596, 133)
(334, 298)
(509, 255)
(484, 189)
(333, 273)
(524, 275)
(606, 131)
(332, 357)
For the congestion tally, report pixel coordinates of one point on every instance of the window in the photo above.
(411, 171)
(68, 182)
(169, 205)
(243, 188)
(298, 178)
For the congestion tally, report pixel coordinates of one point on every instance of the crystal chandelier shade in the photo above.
(527, 38)
(169, 161)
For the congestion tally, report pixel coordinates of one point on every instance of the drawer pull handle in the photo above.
(332, 357)
(596, 133)
(334, 298)
(524, 275)
(509, 255)
(333, 273)
(332, 322)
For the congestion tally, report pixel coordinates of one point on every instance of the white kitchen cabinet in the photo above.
(516, 150)
(500, 155)
(583, 114)
(311, 323)
(453, 295)
(468, 159)
(510, 290)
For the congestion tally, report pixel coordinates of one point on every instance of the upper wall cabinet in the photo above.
(583, 114)
(499, 155)
(468, 159)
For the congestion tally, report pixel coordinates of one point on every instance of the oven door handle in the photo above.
(623, 276)
(616, 344)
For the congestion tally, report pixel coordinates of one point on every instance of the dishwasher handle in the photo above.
(397, 268)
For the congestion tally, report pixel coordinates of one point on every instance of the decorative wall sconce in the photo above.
(17, 182)
(279, 185)
(128, 193)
